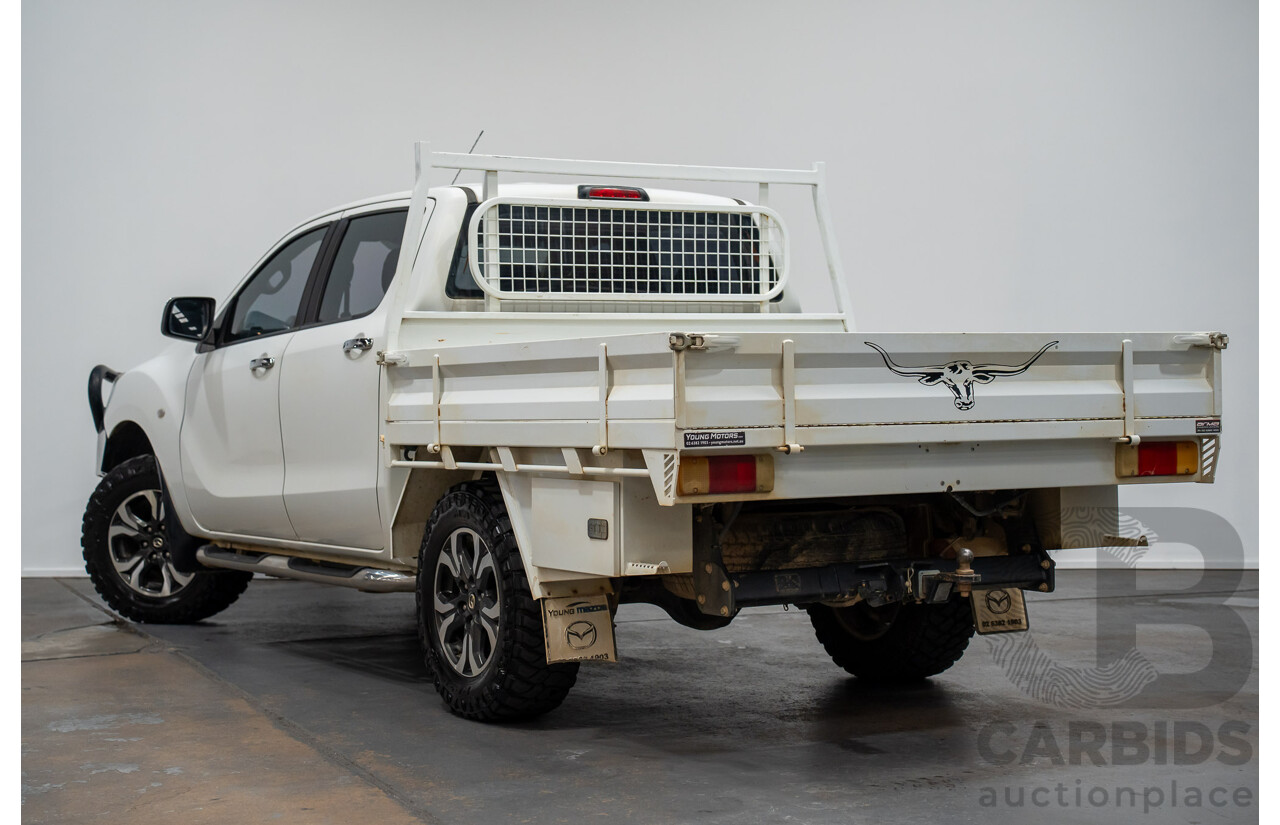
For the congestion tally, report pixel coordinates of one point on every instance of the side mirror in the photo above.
(187, 318)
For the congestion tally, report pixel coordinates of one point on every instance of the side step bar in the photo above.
(368, 579)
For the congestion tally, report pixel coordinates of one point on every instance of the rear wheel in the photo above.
(895, 643)
(127, 553)
(480, 628)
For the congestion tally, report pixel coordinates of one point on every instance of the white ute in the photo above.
(529, 403)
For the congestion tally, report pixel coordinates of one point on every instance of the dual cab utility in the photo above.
(529, 403)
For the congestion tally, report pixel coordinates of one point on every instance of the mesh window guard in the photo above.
(570, 250)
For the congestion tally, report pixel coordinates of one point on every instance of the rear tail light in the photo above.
(1158, 458)
(709, 475)
(626, 193)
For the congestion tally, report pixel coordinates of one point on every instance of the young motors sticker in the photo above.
(735, 438)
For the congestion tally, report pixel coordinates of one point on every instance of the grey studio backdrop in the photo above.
(995, 166)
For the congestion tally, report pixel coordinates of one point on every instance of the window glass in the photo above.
(271, 299)
(461, 284)
(364, 266)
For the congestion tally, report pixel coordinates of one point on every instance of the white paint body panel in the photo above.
(330, 434)
(545, 393)
(232, 455)
(139, 396)
(334, 490)
(561, 508)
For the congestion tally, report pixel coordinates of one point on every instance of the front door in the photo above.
(230, 445)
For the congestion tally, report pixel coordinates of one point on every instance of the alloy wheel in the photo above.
(139, 547)
(467, 602)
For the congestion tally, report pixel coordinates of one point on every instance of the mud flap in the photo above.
(999, 610)
(578, 629)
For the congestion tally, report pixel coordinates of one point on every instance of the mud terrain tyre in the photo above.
(480, 629)
(897, 643)
(126, 553)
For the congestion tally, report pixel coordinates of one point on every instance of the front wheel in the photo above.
(127, 553)
(897, 642)
(480, 628)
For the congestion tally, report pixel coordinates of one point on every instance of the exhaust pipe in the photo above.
(368, 579)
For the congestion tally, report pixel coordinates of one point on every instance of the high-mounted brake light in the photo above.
(1157, 458)
(703, 475)
(626, 193)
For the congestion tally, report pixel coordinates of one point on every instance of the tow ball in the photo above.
(963, 578)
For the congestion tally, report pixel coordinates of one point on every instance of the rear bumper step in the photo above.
(368, 579)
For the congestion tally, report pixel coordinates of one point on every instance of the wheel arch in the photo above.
(143, 416)
(128, 440)
(425, 487)
(422, 492)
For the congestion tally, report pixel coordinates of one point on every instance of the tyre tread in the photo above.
(923, 641)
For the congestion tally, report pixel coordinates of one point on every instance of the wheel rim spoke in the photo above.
(152, 498)
(449, 558)
(485, 565)
(135, 577)
(474, 662)
(166, 581)
(117, 529)
(466, 560)
(479, 649)
(126, 516)
(126, 565)
(452, 627)
(488, 621)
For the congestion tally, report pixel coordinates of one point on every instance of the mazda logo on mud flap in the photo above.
(960, 375)
(580, 635)
(998, 601)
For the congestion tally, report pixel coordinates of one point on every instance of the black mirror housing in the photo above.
(187, 318)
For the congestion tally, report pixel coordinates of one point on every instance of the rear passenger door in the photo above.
(329, 385)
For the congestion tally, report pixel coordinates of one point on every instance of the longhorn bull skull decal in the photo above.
(959, 376)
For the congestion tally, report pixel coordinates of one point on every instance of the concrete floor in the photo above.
(306, 704)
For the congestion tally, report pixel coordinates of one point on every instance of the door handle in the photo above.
(362, 344)
(266, 362)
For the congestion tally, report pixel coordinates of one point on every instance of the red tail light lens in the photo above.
(627, 193)
(733, 474)
(1158, 458)
(703, 475)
